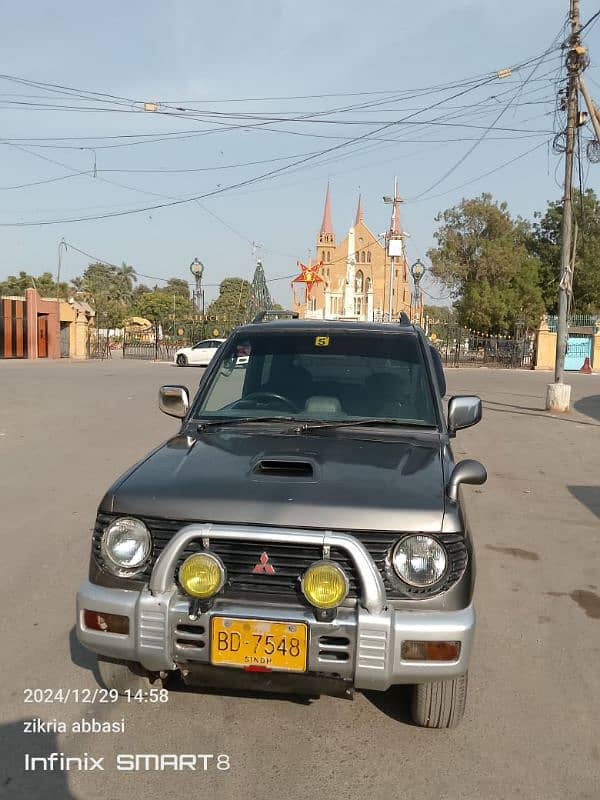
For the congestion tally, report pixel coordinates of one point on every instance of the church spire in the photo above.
(326, 227)
(359, 211)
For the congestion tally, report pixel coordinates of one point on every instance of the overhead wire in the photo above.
(476, 144)
(239, 184)
(271, 173)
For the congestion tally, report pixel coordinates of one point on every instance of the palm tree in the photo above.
(127, 275)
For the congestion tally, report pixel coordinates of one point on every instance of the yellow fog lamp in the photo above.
(325, 585)
(202, 575)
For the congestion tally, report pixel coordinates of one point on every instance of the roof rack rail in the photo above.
(276, 313)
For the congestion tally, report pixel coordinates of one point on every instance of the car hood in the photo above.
(324, 481)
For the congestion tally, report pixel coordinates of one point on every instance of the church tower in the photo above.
(326, 237)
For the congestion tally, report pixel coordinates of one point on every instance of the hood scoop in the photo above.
(284, 468)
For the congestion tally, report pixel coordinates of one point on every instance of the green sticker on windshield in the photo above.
(322, 341)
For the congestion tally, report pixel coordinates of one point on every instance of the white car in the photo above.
(199, 354)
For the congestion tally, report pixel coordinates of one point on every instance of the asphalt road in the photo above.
(531, 728)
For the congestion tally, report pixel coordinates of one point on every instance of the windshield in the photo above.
(331, 377)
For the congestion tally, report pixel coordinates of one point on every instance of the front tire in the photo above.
(439, 704)
(126, 676)
(182, 360)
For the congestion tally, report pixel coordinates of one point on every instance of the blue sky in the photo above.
(197, 55)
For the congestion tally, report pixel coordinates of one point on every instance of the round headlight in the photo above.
(126, 545)
(419, 560)
(324, 584)
(202, 575)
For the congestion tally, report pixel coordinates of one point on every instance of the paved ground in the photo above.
(531, 731)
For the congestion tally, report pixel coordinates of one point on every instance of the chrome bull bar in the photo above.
(372, 594)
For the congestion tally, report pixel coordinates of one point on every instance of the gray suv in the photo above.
(302, 532)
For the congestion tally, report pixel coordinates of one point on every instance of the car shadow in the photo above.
(590, 406)
(82, 657)
(176, 684)
(395, 703)
(530, 411)
(588, 496)
(19, 778)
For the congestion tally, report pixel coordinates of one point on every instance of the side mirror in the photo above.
(467, 471)
(463, 411)
(174, 400)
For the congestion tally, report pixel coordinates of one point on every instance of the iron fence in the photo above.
(574, 321)
(460, 347)
(98, 345)
(158, 350)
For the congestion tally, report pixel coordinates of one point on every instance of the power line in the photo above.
(368, 136)
(504, 164)
(592, 19)
(476, 144)
(221, 190)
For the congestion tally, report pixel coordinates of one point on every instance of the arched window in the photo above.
(328, 256)
(358, 282)
(368, 285)
(363, 257)
(369, 257)
(322, 255)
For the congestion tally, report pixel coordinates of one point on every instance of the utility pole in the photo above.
(394, 242)
(558, 396)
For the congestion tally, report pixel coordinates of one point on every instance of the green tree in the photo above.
(545, 244)
(163, 307)
(483, 259)
(178, 286)
(230, 305)
(439, 318)
(110, 292)
(44, 283)
(139, 290)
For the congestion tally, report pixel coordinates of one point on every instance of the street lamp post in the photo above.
(417, 271)
(197, 269)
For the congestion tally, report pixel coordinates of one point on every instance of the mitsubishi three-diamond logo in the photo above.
(263, 566)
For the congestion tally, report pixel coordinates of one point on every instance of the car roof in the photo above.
(319, 325)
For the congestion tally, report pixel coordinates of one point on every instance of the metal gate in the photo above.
(13, 328)
(578, 349)
(65, 339)
(97, 345)
(150, 346)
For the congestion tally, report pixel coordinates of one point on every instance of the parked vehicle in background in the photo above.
(198, 355)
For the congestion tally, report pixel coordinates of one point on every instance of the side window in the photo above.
(200, 346)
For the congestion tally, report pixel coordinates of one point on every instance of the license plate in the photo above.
(258, 643)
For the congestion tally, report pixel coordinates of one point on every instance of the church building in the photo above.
(358, 273)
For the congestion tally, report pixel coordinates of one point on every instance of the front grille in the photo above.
(290, 561)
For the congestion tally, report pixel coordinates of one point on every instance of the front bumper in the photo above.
(361, 646)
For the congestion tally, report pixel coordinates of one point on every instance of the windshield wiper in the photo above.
(214, 423)
(359, 423)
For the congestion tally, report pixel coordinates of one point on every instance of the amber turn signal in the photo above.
(430, 651)
(108, 623)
